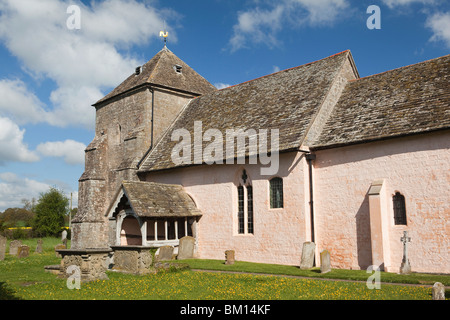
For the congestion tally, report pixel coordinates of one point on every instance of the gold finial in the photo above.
(164, 34)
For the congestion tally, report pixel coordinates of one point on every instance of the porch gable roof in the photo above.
(151, 199)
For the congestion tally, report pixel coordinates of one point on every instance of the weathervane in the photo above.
(164, 34)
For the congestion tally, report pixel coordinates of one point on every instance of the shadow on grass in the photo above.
(6, 293)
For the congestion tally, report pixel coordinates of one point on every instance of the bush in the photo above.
(50, 211)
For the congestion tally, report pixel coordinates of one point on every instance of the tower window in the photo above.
(399, 209)
(178, 68)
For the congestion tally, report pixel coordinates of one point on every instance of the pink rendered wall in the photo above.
(417, 167)
(278, 233)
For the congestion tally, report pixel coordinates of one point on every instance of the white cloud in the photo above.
(319, 11)
(439, 23)
(221, 85)
(72, 151)
(82, 62)
(19, 104)
(12, 147)
(14, 188)
(395, 3)
(258, 25)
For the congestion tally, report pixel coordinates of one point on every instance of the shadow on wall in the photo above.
(363, 242)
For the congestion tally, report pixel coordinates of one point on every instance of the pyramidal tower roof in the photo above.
(165, 70)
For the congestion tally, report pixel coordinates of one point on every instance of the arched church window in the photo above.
(245, 205)
(399, 209)
(276, 193)
(240, 209)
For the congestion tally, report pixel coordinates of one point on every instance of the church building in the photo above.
(309, 154)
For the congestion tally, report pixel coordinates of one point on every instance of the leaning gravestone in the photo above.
(307, 255)
(2, 247)
(165, 253)
(438, 291)
(325, 265)
(186, 248)
(14, 246)
(23, 251)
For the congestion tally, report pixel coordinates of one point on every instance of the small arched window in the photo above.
(399, 209)
(276, 193)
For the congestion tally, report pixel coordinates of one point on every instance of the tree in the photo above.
(50, 210)
(16, 217)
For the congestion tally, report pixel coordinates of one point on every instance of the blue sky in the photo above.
(51, 74)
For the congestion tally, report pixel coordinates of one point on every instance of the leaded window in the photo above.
(276, 193)
(249, 209)
(399, 209)
(240, 209)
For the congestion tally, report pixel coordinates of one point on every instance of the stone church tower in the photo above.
(129, 121)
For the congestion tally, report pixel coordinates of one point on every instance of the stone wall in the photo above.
(415, 166)
(122, 137)
(278, 233)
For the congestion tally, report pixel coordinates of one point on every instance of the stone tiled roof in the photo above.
(286, 100)
(160, 71)
(150, 199)
(409, 100)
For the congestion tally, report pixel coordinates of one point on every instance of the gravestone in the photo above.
(64, 238)
(14, 246)
(59, 247)
(325, 265)
(307, 255)
(63, 235)
(405, 267)
(39, 246)
(165, 253)
(2, 247)
(186, 248)
(229, 257)
(23, 251)
(438, 291)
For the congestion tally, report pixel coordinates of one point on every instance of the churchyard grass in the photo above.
(26, 279)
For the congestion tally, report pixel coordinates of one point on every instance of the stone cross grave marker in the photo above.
(39, 246)
(2, 247)
(405, 267)
(186, 248)
(325, 265)
(14, 246)
(307, 255)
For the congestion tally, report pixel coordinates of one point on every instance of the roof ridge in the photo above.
(399, 68)
(284, 70)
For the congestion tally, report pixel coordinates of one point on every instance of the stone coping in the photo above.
(84, 251)
(131, 247)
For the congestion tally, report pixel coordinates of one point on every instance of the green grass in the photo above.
(359, 275)
(26, 279)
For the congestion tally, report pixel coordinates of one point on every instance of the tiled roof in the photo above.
(404, 101)
(160, 71)
(150, 199)
(286, 100)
